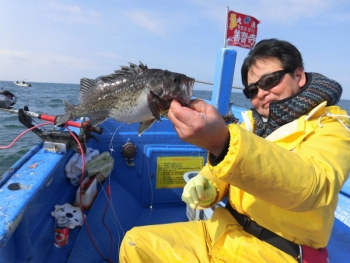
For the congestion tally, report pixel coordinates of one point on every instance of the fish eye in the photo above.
(176, 79)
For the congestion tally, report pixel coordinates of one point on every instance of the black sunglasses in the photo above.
(265, 83)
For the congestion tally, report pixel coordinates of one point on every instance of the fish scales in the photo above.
(132, 94)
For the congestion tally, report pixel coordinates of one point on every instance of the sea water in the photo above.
(48, 98)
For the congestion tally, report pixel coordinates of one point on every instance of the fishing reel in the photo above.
(58, 140)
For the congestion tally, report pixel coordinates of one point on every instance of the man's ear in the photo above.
(299, 75)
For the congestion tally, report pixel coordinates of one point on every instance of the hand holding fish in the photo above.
(199, 124)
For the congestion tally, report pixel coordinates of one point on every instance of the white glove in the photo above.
(199, 192)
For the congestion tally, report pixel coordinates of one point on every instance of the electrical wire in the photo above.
(108, 191)
(23, 133)
(81, 198)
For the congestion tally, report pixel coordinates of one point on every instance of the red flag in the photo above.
(241, 30)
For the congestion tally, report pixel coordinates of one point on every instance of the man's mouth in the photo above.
(266, 104)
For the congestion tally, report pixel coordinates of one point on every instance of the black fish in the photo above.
(132, 94)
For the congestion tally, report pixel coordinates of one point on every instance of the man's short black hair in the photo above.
(285, 52)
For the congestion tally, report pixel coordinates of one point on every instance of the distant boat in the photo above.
(7, 99)
(22, 83)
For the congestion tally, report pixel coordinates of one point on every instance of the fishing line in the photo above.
(150, 183)
(109, 193)
(108, 188)
(199, 155)
(110, 199)
(148, 170)
(210, 83)
(111, 204)
(148, 166)
(81, 198)
(108, 196)
(111, 148)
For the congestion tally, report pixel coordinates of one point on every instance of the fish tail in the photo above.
(68, 108)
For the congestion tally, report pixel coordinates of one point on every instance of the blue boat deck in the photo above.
(135, 201)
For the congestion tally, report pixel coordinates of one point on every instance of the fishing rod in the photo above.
(53, 119)
(210, 83)
(57, 137)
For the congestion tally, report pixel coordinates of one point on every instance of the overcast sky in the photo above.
(63, 41)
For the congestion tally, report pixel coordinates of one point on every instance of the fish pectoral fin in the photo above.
(165, 114)
(155, 109)
(145, 126)
(62, 119)
(97, 121)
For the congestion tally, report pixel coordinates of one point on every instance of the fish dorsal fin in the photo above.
(85, 86)
(133, 69)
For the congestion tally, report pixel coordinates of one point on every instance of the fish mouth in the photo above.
(188, 88)
(183, 101)
(181, 93)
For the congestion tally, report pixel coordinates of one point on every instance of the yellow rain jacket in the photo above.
(289, 186)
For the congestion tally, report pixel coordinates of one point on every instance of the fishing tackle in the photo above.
(58, 140)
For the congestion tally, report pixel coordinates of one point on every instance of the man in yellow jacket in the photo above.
(282, 170)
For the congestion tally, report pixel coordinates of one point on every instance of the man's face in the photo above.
(289, 84)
